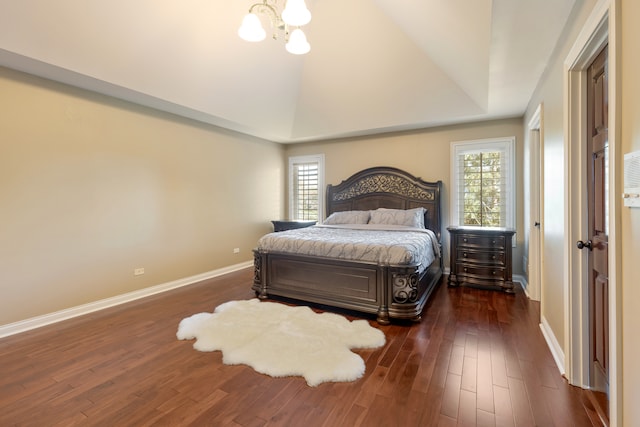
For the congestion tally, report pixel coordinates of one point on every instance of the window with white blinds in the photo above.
(306, 184)
(483, 183)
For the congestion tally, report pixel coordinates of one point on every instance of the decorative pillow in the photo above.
(347, 217)
(408, 217)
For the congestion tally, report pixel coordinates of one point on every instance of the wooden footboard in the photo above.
(388, 291)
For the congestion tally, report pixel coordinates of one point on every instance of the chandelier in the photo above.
(295, 14)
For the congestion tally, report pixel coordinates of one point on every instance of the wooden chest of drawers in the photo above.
(481, 256)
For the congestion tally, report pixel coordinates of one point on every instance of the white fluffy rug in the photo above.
(279, 340)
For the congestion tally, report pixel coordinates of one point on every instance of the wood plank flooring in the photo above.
(478, 358)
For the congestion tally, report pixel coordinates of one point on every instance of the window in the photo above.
(306, 187)
(483, 183)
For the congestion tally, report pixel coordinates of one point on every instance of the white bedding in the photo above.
(379, 243)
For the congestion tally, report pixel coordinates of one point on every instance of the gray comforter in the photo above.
(382, 244)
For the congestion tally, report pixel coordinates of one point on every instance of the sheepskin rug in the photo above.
(279, 340)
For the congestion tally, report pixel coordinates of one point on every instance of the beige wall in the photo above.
(423, 153)
(92, 187)
(550, 95)
(630, 217)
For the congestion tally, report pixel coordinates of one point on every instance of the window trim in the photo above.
(506, 144)
(293, 160)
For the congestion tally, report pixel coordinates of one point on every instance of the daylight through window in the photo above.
(305, 187)
(483, 199)
(483, 183)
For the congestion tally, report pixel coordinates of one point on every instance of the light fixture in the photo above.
(295, 14)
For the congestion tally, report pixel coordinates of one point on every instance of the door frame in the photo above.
(534, 206)
(600, 28)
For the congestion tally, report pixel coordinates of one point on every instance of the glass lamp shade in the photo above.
(251, 29)
(298, 44)
(296, 13)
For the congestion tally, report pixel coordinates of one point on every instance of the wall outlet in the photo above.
(138, 271)
(236, 250)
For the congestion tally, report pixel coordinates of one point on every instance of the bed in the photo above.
(390, 288)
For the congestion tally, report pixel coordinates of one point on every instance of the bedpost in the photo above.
(383, 308)
(259, 279)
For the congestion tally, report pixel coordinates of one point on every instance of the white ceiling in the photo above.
(374, 66)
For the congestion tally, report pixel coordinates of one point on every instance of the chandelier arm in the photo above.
(276, 21)
(268, 7)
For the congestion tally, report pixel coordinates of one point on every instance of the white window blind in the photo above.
(306, 187)
(483, 183)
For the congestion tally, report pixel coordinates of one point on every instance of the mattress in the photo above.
(377, 243)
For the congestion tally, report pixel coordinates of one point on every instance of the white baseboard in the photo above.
(58, 316)
(523, 283)
(554, 346)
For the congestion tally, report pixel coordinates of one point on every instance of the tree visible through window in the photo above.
(305, 187)
(483, 201)
(483, 183)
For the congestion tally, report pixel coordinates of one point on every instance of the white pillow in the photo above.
(408, 217)
(347, 217)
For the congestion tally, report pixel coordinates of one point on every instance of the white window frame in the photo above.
(505, 144)
(314, 158)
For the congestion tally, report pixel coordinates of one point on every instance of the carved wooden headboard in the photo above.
(387, 187)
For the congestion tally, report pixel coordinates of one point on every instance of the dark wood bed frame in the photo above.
(389, 291)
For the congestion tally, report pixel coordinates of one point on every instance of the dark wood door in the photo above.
(598, 160)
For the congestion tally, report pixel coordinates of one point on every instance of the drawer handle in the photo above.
(493, 241)
(493, 272)
(493, 257)
(465, 269)
(464, 254)
(465, 240)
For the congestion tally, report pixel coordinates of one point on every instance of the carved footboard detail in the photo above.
(409, 290)
(405, 287)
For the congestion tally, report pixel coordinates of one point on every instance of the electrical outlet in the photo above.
(236, 250)
(138, 271)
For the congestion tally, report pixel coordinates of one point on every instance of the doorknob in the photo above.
(581, 245)
(536, 224)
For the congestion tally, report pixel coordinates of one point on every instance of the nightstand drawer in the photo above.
(481, 272)
(477, 241)
(481, 257)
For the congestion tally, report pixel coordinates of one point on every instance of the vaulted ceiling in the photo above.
(374, 66)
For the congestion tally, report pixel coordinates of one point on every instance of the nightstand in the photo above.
(481, 257)
(283, 225)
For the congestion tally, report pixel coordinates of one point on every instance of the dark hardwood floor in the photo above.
(477, 358)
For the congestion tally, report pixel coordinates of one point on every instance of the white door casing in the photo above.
(534, 205)
(599, 29)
